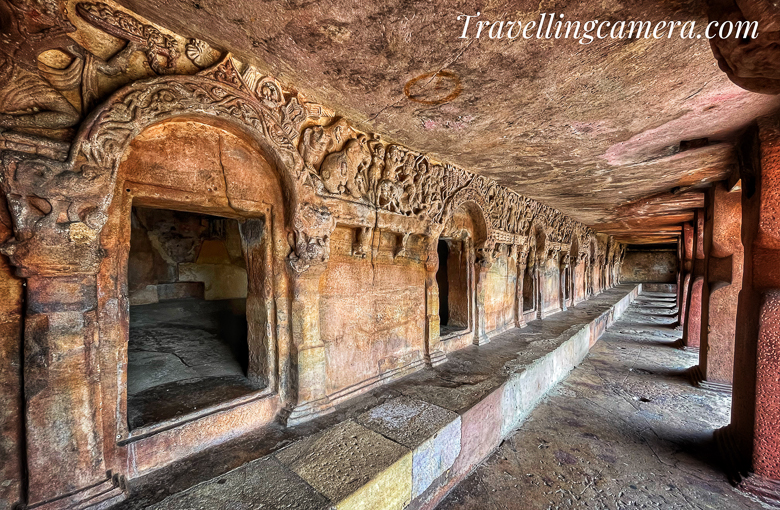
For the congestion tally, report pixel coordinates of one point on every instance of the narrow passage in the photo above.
(625, 430)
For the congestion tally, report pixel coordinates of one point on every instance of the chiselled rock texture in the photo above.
(750, 62)
(656, 265)
(241, 227)
(142, 171)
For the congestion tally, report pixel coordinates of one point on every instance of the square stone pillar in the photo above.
(62, 392)
(483, 263)
(723, 283)
(521, 268)
(752, 441)
(686, 269)
(11, 406)
(692, 329)
(433, 352)
(310, 362)
(563, 269)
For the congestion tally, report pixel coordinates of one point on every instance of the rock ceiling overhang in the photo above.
(586, 129)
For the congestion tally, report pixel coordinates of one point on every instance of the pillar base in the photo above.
(765, 490)
(697, 379)
(98, 497)
(729, 454)
(308, 411)
(481, 339)
(435, 358)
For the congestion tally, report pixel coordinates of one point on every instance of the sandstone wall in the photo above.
(338, 232)
(650, 266)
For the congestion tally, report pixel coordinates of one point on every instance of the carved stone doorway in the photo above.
(452, 278)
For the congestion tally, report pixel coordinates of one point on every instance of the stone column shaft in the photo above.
(519, 317)
(62, 387)
(309, 346)
(724, 281)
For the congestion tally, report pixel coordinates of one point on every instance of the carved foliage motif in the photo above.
(69, 196)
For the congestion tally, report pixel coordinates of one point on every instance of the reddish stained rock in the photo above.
(692, 336)
(725, 267)
(766, 454)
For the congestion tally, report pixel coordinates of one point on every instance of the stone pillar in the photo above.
(564, 265)
(62, 394)
(754, 433)
(309, 347)
(11, 405)
(482, 265)
(519, 317)
(308, 262)
(692, 330)
(686, 268)
(723, 283)
(433, 353)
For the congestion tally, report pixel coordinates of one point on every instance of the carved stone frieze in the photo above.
(161, 49)
(318, 153)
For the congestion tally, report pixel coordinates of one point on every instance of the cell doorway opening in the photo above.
(452, 279)
(528, 292)
(187, 283)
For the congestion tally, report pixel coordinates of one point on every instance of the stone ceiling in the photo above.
(593, 130)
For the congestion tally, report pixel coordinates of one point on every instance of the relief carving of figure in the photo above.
(310, 239)
(377, 150)
(389, 191)
(432, 191)
(342, 171)
(407, 184)
(317, 141)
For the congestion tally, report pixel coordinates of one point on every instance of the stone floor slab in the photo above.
(264, 483)
(338, 462)
(625, 430)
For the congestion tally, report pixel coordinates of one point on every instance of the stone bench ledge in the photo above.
(408, 444)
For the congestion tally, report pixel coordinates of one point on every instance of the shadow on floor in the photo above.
(626, 429)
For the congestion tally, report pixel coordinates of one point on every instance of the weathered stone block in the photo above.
(353, 466)
(433, 433)
(221, 281)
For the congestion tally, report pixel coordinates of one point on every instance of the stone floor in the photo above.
(625, 430)
(185, 355)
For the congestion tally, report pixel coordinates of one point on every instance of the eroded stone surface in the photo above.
(341, 460)
(406, 421)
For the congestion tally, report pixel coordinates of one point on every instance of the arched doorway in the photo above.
(456, 277)
(195, 267)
